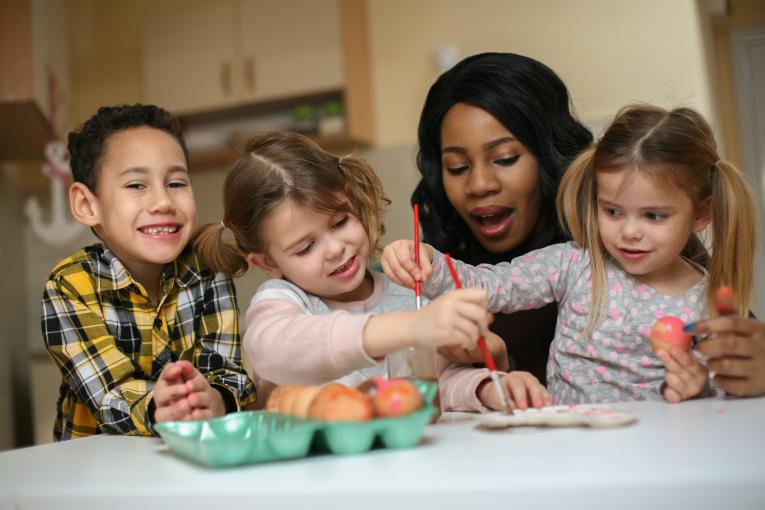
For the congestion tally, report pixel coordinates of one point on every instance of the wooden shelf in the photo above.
(223, 158)
(249, 110)
(24, 131)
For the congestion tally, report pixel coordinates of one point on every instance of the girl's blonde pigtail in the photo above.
(576, 205)
(734, 230)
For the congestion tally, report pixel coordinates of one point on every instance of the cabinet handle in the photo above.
(249, 73)
(225, 78)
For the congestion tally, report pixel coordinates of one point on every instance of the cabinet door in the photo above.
(290, 48)
(189, 59)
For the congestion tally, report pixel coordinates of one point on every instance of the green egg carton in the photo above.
(249, 437)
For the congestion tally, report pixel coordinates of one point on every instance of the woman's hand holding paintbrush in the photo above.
(734, 346)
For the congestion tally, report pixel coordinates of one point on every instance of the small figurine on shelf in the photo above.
(331, 118)
(304, 119)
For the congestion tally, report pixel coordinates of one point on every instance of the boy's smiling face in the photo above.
(143, 207)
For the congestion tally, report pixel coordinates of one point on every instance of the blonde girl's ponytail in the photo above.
(576, 205)
(216, 253)
(733, 236)
(365, 192)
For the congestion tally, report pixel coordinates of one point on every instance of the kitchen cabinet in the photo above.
(290, 48)
(222, 54)
(232, 67)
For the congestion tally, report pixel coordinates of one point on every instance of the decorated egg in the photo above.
(668, 332)
(395, 397)
(336, 402)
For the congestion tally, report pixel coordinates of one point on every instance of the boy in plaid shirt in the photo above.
(143, 333)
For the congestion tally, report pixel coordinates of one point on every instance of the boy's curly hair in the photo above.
(87, 143)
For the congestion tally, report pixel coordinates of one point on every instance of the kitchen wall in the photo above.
(608, 52)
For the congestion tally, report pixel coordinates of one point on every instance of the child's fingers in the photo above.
(672, 396)
(683, 387)
(462, 332)
(202, 414)
(197, 383)
(396, 273)
(684, 374)
(167, 394)
(175, 412)
(208, 400)
(537, 393)
(200, 399)
(517, 391)
(170, 373)
(477, 315)
(670, 364)
(426, 267)
(188, 370)
(398, 263)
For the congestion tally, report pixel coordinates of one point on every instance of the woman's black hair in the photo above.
(531, 101)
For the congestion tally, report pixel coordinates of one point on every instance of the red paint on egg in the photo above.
(668, 332)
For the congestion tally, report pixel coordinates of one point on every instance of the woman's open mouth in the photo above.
(493, 220)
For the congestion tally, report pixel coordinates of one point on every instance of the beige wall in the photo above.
(608, 52)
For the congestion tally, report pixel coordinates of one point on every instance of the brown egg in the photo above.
(396, 397)
(336, 402)
(302, 402)
(288, 400)
(274, 399)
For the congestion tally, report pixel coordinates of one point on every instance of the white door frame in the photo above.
(748, 55)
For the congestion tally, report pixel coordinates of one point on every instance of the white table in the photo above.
(698, 454)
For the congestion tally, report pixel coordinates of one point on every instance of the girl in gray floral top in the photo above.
(634, 204)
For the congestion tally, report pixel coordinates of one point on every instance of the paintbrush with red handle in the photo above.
(417, 283)
(487, 359)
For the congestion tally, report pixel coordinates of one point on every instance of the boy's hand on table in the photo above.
(685, 377)
(496, 347)
(205, 401)
(523, 389)
(171, 394)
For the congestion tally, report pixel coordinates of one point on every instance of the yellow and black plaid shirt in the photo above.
(111, 343)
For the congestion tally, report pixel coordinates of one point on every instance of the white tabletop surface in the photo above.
(699, 454)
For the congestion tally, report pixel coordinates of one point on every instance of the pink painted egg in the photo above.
(668, 332)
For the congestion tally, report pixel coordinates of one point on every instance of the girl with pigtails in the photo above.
(635, 205)
(312, 222)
